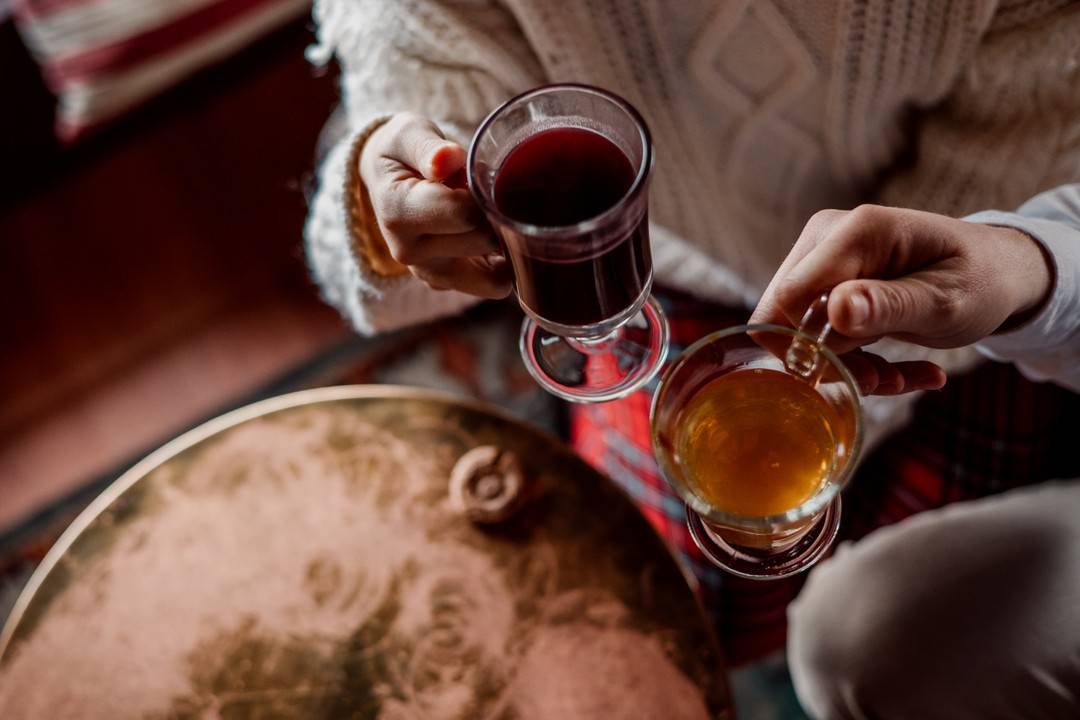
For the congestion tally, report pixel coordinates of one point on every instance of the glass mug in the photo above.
(757, 428)
(561, 173)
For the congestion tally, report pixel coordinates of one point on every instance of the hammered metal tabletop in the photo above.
(299, 558)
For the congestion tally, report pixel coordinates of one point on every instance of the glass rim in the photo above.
(589, 224)
(809, 507)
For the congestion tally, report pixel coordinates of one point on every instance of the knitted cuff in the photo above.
(366, 240)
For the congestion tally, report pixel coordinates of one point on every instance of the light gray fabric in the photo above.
(1047, 347)
(971, 611)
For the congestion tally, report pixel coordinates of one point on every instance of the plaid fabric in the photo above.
(986, 432)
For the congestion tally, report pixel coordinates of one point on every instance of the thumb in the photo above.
(871, 308)
(423, 148)
(444, 158)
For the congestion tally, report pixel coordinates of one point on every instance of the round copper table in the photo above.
(300, 558)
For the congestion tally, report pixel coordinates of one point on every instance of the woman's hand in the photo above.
(916, 276)
(415, 179)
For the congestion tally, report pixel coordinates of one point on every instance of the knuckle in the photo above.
(785, 290)
(390, 217)
(392, 214)
(861, 229)
(949, 307)
(406, 133)
(870, 218)
(826, 217)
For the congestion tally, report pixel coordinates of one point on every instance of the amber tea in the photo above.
(759, 442)
(756, 442)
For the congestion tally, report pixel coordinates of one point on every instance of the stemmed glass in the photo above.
(592, 332)
(775, 545)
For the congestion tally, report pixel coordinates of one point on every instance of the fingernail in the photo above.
(858, 310)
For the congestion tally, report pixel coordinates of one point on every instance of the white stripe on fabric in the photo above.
(82, 27)
(96, 99)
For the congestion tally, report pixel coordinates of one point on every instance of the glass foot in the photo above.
(791, 558)
(598, 369)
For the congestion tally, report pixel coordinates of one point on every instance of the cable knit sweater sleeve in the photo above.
(449, 60)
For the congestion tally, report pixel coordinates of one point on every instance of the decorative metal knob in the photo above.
(487, 484)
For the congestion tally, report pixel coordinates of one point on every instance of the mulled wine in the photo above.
(559, 178)
(562, 174)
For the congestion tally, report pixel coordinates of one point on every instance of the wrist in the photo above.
(368, 244)
(1029, 271)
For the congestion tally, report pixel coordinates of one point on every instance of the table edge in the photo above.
(208, 429)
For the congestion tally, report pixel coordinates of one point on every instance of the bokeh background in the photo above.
(155, 155)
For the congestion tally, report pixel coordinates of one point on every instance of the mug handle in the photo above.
(803, 357)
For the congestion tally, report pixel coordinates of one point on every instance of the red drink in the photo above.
(562, 177)
(561, 173)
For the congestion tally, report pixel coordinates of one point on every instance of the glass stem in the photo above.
(595, 345)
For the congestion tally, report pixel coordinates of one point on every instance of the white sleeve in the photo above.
(1046, 347)
(447, 60)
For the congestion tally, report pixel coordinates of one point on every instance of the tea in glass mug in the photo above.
(758, 443)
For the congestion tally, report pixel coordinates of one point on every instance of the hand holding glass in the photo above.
(562, 173)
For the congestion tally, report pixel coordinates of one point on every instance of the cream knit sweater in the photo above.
(762, 111)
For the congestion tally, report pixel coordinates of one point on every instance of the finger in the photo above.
(921, 375)
(889, 380)
(773, 342)
(840, 343)
(877, 376)
(486, 277)
(419, 144)
(409, 208)
(856, 245)
(869, 241)
(863, 369)
(768, 310)
(430, 248)
(835, 258)
(864, 308)
(778, 344)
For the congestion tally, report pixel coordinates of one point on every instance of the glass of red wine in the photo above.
(562, 173)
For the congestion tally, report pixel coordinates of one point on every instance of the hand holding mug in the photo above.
(915, 276)
(416, 181)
